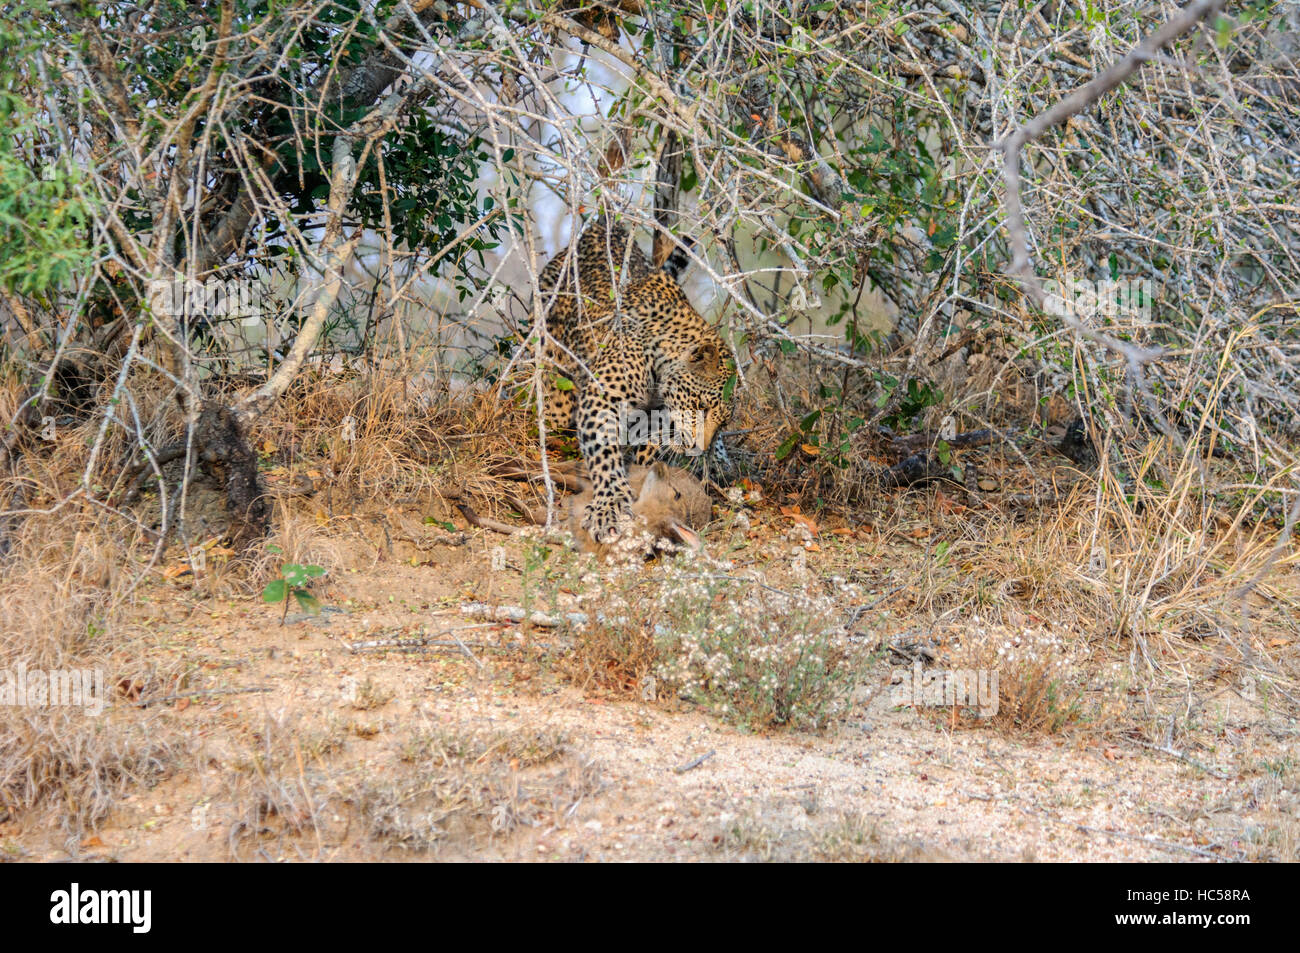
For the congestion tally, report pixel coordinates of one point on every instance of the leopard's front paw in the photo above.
(605, 519)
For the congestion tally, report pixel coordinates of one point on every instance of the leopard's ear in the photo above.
(704, 355)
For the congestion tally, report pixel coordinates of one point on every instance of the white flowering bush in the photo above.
(754, 654)
(1041, 673)
(758, 656)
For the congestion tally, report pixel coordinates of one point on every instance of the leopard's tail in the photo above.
(679, 259)
(671, 254)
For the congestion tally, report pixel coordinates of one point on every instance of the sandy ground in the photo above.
(628, 779)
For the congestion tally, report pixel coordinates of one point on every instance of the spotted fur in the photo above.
(626, 336)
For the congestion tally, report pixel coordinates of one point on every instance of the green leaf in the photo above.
(1222, 32)
(689, 179)
(274, 591)
(563, 383)
(787, 445)
(307, 601)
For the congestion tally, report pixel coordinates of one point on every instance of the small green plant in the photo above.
(917, 397)
(546, 571)
(292, 581)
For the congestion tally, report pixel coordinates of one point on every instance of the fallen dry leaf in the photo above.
(947, 503)
(793, 513)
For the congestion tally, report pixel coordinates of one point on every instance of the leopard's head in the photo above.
(697, 391)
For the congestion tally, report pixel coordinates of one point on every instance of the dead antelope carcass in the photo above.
(669, 504)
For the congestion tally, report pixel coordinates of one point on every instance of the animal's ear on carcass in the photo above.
(684, 535)
(658, 474)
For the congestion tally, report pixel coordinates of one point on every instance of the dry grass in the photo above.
(73, 571)
(474, 782)
(1273, 834)
(281, 788)
(1150, 587)
(74, 767)
(366, 437)
(1043, 678)
(292, 791)
(60, 591)
(802, 835)
(64, 590)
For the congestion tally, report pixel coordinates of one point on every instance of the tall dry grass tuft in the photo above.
(65, 590)
(69, 567)
(289, 791)
(67, 583)
(1165, 573)
(377, 436)
(1127, 559)
(75, 767)
(1176, 549)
